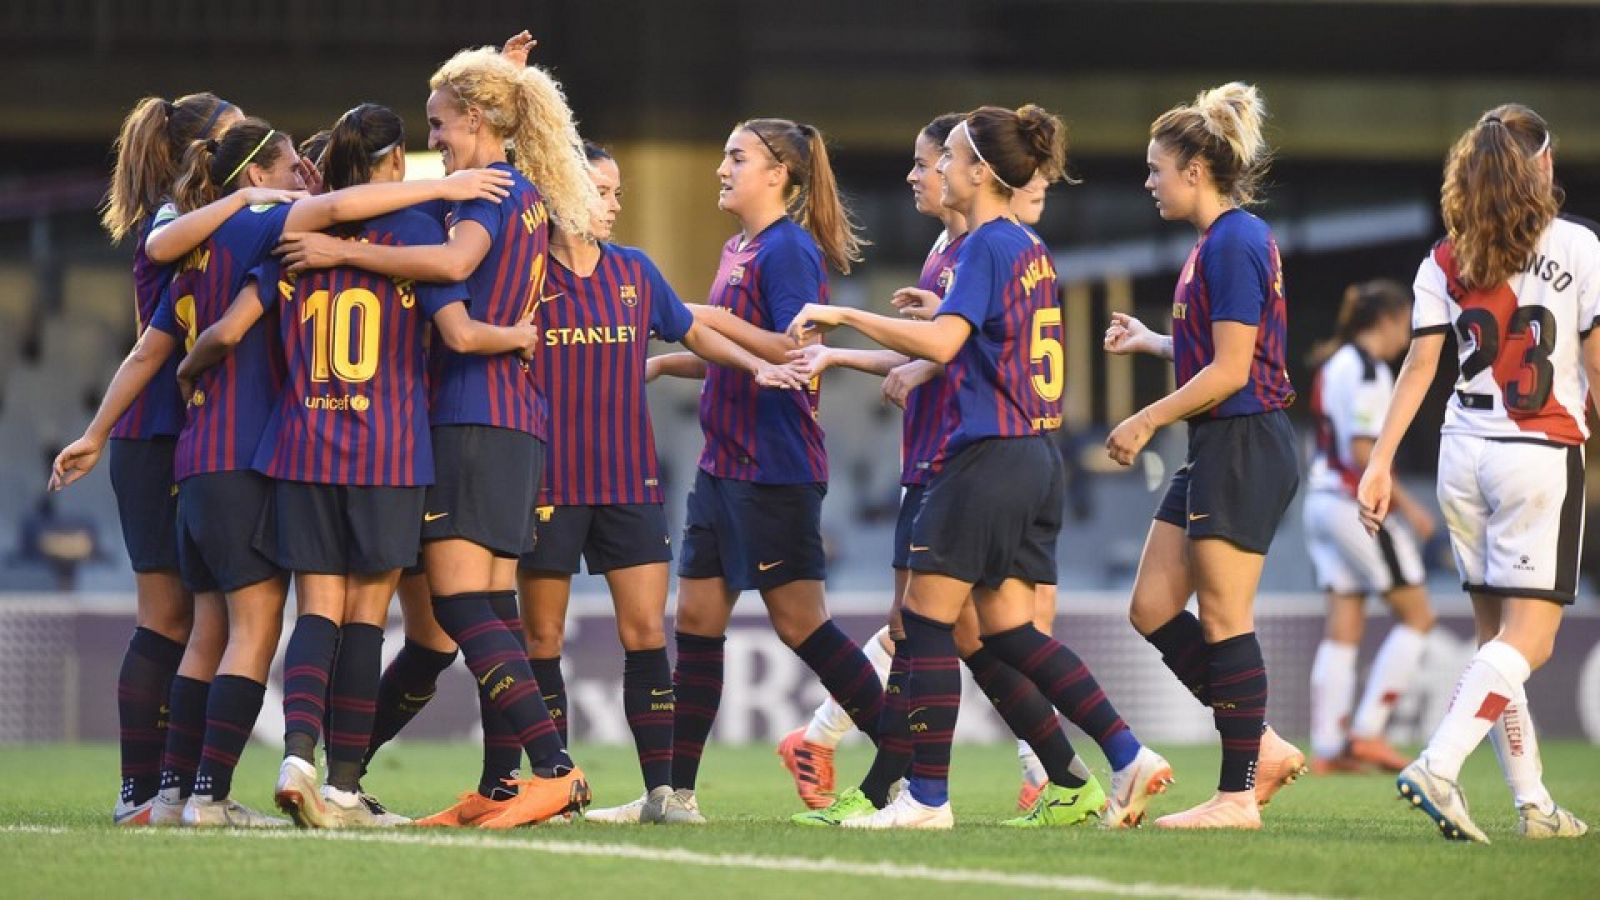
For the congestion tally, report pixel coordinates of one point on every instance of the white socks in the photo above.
(1333, 691)
(1491, 682)
(1518, 749)
(830, 723)
(1393, 671)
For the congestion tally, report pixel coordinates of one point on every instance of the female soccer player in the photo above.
(1349, 398)
(990, 517)
(602, 497)
(1521, 289)
(754, 515)
(489, 422)
(1211, 532)
(221, 500)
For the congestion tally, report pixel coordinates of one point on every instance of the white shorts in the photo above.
(1347, 560)
(1515, 514)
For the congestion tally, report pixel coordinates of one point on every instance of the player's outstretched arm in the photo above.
(712, 345)
(214, 344)
(939, 340)
(815, 359)
(771, 346)
(1224, 376)
(171, 240)
(677, 365)
(133, 376)
(365, 201)
(1126, 334)
(454, 260)
(1376, 490)
(464, 334)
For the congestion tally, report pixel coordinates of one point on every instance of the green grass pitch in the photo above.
(1334, 837)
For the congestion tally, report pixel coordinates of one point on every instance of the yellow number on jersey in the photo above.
(183, 310)
(1045, 348)
(331, 352)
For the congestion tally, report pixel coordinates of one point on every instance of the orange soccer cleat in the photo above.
(1236, 810)
(1279, 764)
(812, 767)
(1028, 794)
(1377, 752)
(539, 799)
(468, 811)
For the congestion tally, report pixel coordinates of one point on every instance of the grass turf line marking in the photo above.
(1075, 884)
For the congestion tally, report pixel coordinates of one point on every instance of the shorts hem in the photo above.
(1564, 598)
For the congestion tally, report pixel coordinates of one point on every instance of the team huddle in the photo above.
(436, 389)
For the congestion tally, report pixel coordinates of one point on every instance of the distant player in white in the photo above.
(1521, 289)
(1349, 398)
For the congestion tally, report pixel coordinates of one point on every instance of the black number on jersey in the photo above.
(1480, 327)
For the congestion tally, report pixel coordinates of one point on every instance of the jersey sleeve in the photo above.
(166, 215)
(975, 286)
(1237, 270)
(267, 277)
(421, 230)
(433, 297)
(266, 227)
(790, 278)
(1430, 310)
(670, 320)
(166, 317)
(485, 212)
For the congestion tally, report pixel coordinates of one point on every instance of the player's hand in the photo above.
(916, 303)
(814, 318)
(786, 377)
(1126, 440)
(652, 368)
(528, 335)
(303, 250)
(476, 184)
(811, 360)
(1126, 334)
(1373, 495)
(518, 46)
(311, 176)
(259, 196)
(902, 379)
(74, 461)
(185, 386)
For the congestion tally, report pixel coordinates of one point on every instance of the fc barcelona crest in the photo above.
(946, 276)
(736, 275)
(629, 294)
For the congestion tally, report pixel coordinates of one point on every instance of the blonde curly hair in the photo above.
(527, 106)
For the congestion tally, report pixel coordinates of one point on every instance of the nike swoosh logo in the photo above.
(665, 693)
(1195, 517)
(766, 567)
(490, 674)
(918, 548)
(433, 517)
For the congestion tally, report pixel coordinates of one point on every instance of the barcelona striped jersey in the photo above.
(233, 399)
(594, 332)
(354, 405)
(1007, 379)
(499, 391)
(765, 435)
(158, 410)
(929, 417)
(1234, 274)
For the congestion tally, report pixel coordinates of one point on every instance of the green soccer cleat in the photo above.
(851, 804)
(1059, 807)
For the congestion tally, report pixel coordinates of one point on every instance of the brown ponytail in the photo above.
(1017, 144)
(1496, 200)
(1364, 305)
(814, 200)
(148, 150)
(212, 167)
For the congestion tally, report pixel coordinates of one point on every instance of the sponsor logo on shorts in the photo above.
(433, 517)
(1195, 517)
(918, 548)
(545, 513)
(768, 566)
(1524, 564)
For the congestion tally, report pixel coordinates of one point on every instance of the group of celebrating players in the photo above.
(313, 424)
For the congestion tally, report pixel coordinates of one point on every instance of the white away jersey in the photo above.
(1349, 398)
(1519, 343)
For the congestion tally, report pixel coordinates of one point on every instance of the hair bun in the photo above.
(212, 145)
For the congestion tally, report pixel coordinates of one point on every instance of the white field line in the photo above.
(1070, 884)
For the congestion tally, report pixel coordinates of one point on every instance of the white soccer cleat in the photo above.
(132, 815)
(1133, 785)
(203, 812)
(298, 795)
(626, 814)
(681, 808)
(1441, 799)
(906, 812)
(1557, 823)
(166, 807)
(357, 809)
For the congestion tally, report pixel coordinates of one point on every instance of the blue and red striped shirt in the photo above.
(500, 391)
(354, 406)
(1234, 274)
(765, 435)
(929, 416)
(233, 399)
(594, 334)
(1008, 377)
(158, 410)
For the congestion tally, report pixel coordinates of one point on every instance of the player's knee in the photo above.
(545, 639)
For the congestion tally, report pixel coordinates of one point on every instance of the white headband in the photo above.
(979, 153)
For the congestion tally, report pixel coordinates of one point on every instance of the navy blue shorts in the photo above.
(613, 536)
(910, 505)
(221, 518)
(147, 501)
(1240, 477)
(337, 529)
(753, 536)
(486, 484)
(992, 513)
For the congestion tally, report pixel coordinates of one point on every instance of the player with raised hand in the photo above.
(755, 513)
(1348, 399)
(1520, 287)
(1212, 530)
(489, 421)
(991, 514)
